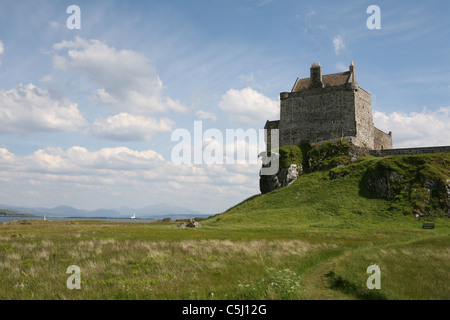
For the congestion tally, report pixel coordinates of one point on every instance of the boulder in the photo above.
(193, 224)
(283, 178)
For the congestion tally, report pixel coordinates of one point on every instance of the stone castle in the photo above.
(327, 107)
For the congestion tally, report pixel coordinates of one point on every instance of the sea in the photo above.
(137, 220)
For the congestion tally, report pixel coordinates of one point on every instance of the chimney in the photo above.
(316, 76)
(352, 73)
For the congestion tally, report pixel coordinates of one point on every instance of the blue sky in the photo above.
(86, 116)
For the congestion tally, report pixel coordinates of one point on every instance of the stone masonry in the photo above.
(322, 108)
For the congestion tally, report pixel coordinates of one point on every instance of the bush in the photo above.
(290, 155)
(328, 155)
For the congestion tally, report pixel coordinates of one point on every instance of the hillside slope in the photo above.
(371, 190)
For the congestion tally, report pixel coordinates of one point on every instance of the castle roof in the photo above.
(334, 79)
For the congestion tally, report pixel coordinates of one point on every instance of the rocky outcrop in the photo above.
(414, 186)
(283, 178)
(192, 224)
(386, 184)
(296, 160)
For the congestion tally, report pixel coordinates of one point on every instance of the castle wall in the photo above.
(409, 151)
(382, 140)
(270, 125)
(364, 120)
(317, 114)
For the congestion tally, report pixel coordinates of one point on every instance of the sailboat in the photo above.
(45, 218)
(133, 216)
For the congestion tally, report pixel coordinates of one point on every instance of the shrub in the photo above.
(290, 155)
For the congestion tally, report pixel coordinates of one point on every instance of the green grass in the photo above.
(311, 240)
(417, 270)
(290, 155)
(138, 261)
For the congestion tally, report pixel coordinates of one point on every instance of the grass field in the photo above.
(312, 240)
(160, 261)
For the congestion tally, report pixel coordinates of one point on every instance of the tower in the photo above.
(327, 107)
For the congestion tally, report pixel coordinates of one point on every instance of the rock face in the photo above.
(427, 193)
(284, 177)
(386, 185)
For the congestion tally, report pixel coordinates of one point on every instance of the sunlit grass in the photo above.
(34, 268)
(210, 263)
(314, 239)
(417, 270)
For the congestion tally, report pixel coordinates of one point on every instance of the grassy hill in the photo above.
(348, 196)
(370, 210)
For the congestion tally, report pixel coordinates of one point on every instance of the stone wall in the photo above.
(364, 121)
(382, 140)
(409, 151)
(270, 125)
(317, 114)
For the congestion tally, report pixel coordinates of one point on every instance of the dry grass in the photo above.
(125, 269)
(129, 261)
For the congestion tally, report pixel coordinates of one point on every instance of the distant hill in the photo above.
(10, 213)
(154, 211)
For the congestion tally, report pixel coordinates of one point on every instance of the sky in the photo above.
(88, 115)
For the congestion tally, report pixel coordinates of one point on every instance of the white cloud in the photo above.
(2, 49)
(247, 78)
(338, 44)
(54, 24)
(46, 78)
(125, 79)
(27, 108)
(81, 178)
(60, 63)
(119, 163)
(79, 161)
(127, 127)
(206, 115)
(416, 129)
(341, 67)
(248, 106)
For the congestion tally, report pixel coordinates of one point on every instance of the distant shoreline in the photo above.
(102, 218)
(17, 215)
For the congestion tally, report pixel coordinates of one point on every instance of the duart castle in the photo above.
(327, 107)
